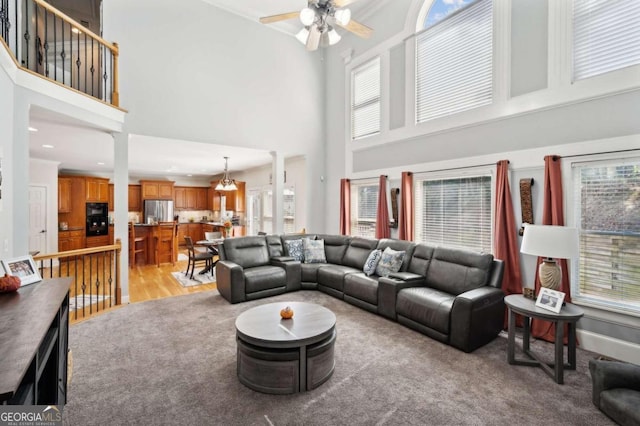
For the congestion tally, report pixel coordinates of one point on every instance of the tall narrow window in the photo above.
(454, 212)
(365, 100)
(606, 36)
(364, 205)
(607, 208)
(289, 210)
(454, 60)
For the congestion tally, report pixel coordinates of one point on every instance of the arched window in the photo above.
(454, 58)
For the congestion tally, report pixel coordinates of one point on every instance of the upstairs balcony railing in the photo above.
(47, 42)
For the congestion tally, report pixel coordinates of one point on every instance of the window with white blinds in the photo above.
(454, 63)
(288, 210)
(607, 208)
(364, 208)
(606, 36)
(454, 212)
(365, 99)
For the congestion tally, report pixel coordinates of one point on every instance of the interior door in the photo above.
(38, 219)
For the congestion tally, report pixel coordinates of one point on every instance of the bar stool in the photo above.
(165, 242)
(137, 245)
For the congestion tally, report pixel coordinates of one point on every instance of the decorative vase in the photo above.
(550, 274)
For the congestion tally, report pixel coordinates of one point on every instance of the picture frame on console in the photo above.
(550, 299)
(22, 267)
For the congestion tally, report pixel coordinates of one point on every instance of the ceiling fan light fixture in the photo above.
(333, 36)
(307, 16)
(303, 35)
(343, 16)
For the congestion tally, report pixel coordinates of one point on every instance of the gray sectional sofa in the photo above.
(451, 295)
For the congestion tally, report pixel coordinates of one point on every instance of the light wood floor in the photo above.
(151, 282)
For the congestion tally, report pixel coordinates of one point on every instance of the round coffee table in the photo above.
(281, 356)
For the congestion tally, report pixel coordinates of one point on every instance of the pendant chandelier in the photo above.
(226, 183)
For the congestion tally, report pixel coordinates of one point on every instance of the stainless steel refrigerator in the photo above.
(158, 211)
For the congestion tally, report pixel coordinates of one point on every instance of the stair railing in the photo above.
(96, 276)
(49, 43)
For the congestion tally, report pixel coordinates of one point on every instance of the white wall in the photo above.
(206, 75)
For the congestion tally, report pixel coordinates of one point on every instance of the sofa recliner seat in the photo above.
(448, 294)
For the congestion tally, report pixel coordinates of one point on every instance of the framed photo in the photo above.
(550, 299)
(24, 268)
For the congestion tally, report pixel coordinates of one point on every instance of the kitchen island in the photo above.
(153, 240)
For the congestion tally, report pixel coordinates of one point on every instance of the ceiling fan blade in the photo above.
(342, 3)
(313, 41)
(357, 28)
(280, 17)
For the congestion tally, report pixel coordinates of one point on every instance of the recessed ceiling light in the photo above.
(189, 175)
(48, 146)
(100, 163)
(32, 129)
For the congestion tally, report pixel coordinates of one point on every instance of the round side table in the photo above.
(569, 314)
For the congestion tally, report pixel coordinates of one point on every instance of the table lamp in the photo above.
(551, 242)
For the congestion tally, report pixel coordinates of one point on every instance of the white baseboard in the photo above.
(608, 346)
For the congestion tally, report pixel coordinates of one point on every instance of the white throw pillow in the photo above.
(371, 263)
(391, 261)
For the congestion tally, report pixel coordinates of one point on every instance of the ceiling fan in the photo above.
(320, 18)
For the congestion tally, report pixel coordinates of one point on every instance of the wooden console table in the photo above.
(34, 330)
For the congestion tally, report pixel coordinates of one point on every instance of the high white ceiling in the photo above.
(79, 148)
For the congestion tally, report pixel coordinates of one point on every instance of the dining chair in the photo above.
(165, 242)
(196, 257)
(137, 245)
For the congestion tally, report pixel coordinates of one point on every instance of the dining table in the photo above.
(211, 245)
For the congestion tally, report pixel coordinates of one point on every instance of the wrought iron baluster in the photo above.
(92, 69)
(62, 54)
(26, 35)
(55, 48)
(46, 42)
(85, 63)
(104, 75)
(111, 259)
(78, 61)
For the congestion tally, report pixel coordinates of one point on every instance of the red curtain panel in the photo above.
(382, 216)
(505, 238)
(552, 214)
(345, 206)
(405, 220)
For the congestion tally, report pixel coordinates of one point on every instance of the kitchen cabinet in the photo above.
(111, 198)
(193, 230)
(135, 202)
(213, 200)
(235, 199)
(157, 189)
(190, 195)
(97, 241)
(180, 198)
(239, 197)
(97, 190)
(201, 198)
(71, 240)
(76, 216)
(64, 195)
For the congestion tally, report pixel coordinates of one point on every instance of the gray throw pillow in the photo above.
(295, 249)
(371, 263)
(391, 261)
(314, 251)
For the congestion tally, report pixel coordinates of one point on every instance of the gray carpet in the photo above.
(173, 361)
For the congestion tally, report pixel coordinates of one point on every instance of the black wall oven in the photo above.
(97, 219)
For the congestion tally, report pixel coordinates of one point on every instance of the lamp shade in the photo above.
(343, 16)
(559, 242)
(307, 16)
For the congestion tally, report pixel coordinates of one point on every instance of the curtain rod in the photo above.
(367, 178)
(457, 168)
(599, 153)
